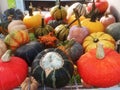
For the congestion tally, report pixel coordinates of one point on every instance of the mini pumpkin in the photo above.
(58, 12)
(16, 25)
(33, 19)
(101, 5)
(79, 6)
(29, 83)
(29, 51)
(52, 68)
(13, 71)
(72, 48)
(16, 38)
(100, 67)
(93, 24)
(62, 31)
(107, 19)
(43, 29)
(91, 40)
(78, 32)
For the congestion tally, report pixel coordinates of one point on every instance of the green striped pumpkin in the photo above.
(62, 31)
(43, 29)
(52, 68)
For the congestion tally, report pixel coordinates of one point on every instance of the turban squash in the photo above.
(52, 68)
(13, 71)
(100, 67)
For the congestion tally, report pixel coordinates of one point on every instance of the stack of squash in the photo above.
(37, 52)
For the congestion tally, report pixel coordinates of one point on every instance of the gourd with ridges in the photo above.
(16, 38)
(52, 68)
(91, 41)
(58, 12)
(43, 29)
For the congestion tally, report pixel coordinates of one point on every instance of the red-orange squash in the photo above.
(101, 5)
(13, 71)
(100, 67)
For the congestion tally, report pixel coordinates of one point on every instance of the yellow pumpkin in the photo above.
(32, 19)
(72, 18)
(91, 41)
(93, 26)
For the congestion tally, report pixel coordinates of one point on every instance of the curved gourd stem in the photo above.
(6, 56)
(77, 16)
(30, 9)
(93, 12)
(100, 54)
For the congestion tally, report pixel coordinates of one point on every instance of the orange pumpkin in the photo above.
(33, 19)
(16, 38)
(100, 67)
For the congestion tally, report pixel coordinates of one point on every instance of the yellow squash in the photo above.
(91, 41)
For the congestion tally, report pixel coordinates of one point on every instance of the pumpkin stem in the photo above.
(6, 56)
(42, 23)
(93, 13)
(30, 9)
(77, 16)
(100, 51)
(58, 3)
(106, 14)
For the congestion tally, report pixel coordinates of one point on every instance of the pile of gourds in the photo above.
(78, 41)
